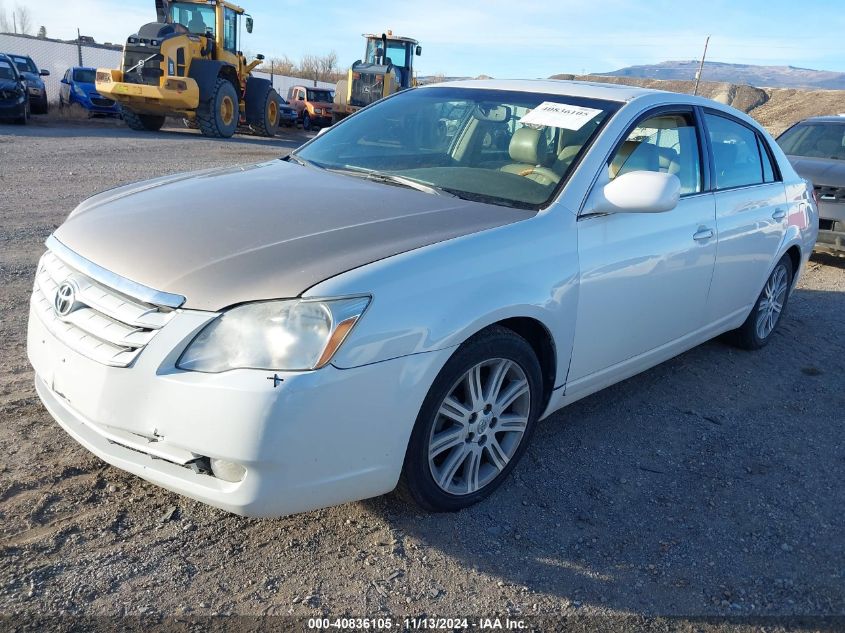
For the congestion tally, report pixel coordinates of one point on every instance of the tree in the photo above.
(5, 21)
(327, 65)
(42, 32)
(23, 20)
(283, 65)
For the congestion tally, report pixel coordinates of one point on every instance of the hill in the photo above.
(768, 76)
(775, 108)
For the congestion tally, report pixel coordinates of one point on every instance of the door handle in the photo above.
(703, 234)
(779, 214)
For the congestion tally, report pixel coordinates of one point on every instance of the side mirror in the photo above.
(419, 50)
(638, 192)
(64, 81)
(44, 73)
(259, 57)
(249, 24)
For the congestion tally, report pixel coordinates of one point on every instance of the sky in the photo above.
(526, 38)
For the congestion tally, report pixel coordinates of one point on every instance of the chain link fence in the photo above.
(57, 57)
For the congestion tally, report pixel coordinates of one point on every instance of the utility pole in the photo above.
(701, 66)
(79, 45)
(14, 22)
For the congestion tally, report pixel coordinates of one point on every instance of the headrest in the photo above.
(635, 156)
(528, 145)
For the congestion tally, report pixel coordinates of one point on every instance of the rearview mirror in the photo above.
(419, 51)
(638, 192)
(249, 24)
(493, 113)
(44, 73)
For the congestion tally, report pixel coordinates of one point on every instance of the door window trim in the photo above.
(761, 145)
(704, 166)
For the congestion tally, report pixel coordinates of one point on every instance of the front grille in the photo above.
(106, 326)
(149, 72)
(827, 193)
(102, 102)
(366, 88)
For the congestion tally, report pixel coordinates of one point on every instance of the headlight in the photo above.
(79, 91)
(293, 335)
(318, 111)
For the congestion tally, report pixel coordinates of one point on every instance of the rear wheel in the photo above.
(143, 122)
(306, 122)
(268, 124)
(475, 422)
(761, 324)
(219, 118)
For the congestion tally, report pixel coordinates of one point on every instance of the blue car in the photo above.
(78, 87)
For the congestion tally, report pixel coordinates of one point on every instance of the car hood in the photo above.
(32, 78)
(264, 231)
(821, 171)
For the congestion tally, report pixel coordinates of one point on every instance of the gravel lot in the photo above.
(710, 485)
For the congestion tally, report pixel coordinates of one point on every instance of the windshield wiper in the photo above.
(299, 161)
(391, 179)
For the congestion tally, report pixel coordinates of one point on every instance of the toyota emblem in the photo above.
(65, 299)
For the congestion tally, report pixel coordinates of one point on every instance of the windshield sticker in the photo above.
(569, 117)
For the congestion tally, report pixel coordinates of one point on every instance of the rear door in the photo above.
(751, 213)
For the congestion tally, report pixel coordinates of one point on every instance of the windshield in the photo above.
(815, 140)
(397, 51)
(476, 144)
(320, 95)
(84, 75)
(197, 18)
(6, 70)
(25, 65)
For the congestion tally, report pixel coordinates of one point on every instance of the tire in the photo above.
(42, 107)
(306, 122)
(267, 123)
(143, 122)
(23, 120)
(766, 314)
(219, 117)
(476, 450)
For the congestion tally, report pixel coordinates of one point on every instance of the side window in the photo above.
(666, 143)
(736, 153)
(768, 168)
(230, 30)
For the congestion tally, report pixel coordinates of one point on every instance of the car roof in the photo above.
(21, 55)
(833, 118)
(586, 89)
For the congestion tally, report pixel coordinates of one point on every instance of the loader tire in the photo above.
(266, 122)
(219, 117)
(143, 122)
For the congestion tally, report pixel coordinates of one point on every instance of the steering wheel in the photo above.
(541, 175)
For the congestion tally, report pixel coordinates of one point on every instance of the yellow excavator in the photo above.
(188, 64)
(387, 67)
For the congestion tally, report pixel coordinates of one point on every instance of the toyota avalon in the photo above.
(400, 300)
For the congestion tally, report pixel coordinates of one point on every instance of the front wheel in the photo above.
(219, 117)
(761, 324)
(306, 122)
(475, 422)
(143, 122)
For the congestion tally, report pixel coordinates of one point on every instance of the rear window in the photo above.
(84, 75)
(815, 140)
(25, 64)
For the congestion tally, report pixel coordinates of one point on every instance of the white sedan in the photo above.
(405, 296)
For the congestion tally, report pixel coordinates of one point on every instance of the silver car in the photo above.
(816, 149)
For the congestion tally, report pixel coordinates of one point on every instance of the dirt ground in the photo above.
(711, 485)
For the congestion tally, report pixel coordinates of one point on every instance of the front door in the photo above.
(644, 277)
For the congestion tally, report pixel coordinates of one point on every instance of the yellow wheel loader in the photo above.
(187, 65)
(387, 67)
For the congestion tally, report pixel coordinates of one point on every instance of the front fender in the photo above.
(438, 296)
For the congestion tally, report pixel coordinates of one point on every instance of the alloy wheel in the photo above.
(772, 301)
(479, 427)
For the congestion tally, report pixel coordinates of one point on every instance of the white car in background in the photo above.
(404, 297)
